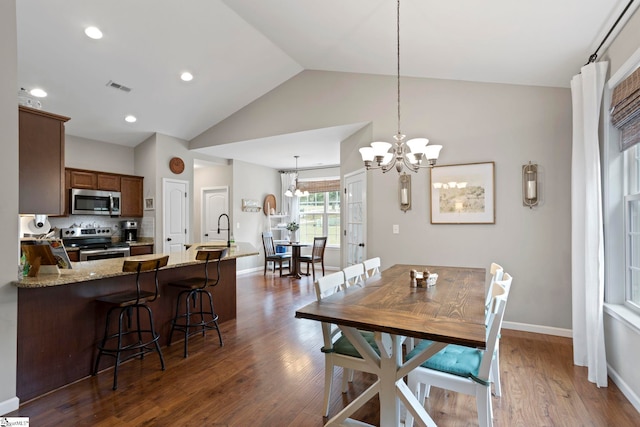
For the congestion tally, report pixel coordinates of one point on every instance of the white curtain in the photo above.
(289, 204)
(587, 246)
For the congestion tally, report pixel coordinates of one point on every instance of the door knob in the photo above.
(361, 245)
(168, 239)
(206, 234)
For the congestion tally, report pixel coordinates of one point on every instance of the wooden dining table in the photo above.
(451, 312)
(294, 267)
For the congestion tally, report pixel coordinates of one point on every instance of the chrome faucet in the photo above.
(228, 229)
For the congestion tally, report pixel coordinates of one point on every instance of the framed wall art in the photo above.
(149, 204)
(463, 194)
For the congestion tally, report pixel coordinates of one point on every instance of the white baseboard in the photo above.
(547, 330)
(624, 388)
(261, 268)
(9, 405)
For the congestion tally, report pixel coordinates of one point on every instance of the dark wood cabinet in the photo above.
(131, 189)
(74, 256)
(129, 185)
(41, 162)
(108, 182)
(141, 250)
(83, 179)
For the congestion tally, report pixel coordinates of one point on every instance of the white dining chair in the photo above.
(371, 268)
(496, 272)
(500, 290)
(337, 349)
(354, 275)
(464, 369)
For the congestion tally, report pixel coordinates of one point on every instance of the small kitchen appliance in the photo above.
(129, 231)
(93, 243)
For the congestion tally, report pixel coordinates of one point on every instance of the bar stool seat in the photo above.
(135, 338)
(199, 314)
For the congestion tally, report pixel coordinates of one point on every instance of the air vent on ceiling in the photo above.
(115, 85)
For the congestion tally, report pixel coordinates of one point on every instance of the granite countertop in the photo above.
(84, 271)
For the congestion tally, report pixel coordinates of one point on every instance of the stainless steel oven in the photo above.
(94, 243)
(104, 253)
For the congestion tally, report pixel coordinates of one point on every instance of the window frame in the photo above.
(325, 216)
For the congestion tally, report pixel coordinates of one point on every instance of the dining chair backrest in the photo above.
(354, 275)
(500, 291)
(326, 286)
(267, 243)
(496, 272)
(329, 285)
(371, 267)
(319, 244)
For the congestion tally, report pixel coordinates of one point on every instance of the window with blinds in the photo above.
(625, 110)
(320, 211)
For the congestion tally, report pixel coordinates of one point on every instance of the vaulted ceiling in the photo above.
(238, 50)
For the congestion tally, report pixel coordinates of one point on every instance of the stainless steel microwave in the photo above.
(95, 202)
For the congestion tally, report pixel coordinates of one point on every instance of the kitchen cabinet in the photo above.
(129, 186)
(41, 162)
(90, 180)
(141, 249)
(83, 179)
(131, 202)
(108, 181)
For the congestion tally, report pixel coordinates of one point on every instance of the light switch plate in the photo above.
(396, 228)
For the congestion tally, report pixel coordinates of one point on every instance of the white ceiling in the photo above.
(239, 50)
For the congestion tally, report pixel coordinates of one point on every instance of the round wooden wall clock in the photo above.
(176, 165)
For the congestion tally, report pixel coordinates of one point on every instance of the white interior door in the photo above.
(215, 202)
(355, 228)
(175, 214)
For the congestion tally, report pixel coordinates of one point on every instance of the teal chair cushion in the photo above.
(453, 359)
(344, 346)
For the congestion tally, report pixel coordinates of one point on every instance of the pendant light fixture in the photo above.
(414, 154)
(293, 189)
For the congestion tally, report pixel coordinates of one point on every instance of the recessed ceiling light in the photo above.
(38, 93)
(93, 32)
(186, 76)
(130, 118)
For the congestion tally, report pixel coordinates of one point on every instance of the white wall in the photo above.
(83, 153)
(475, 122)
(251, 182)
(9, 206)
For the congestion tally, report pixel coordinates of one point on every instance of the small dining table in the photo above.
(451, 312)
(294, 267)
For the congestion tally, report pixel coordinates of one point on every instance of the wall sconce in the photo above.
(405, 192)
(530, 185)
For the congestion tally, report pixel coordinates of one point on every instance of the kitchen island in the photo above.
(60, 324)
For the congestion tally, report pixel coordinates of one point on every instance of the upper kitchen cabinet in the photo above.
(91, 180)
(41, 162)
(131, 189)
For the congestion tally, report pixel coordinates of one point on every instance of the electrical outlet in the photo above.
(396, 229)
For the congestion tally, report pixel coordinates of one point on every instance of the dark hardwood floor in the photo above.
(270, 373)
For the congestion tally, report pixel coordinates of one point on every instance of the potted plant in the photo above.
(293, 228)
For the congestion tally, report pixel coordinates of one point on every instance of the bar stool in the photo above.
(194, 293)
(138, 339)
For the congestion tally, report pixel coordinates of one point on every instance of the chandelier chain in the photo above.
(398, 60)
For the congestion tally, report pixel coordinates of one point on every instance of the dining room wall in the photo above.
(9, 209)
(475, 122)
